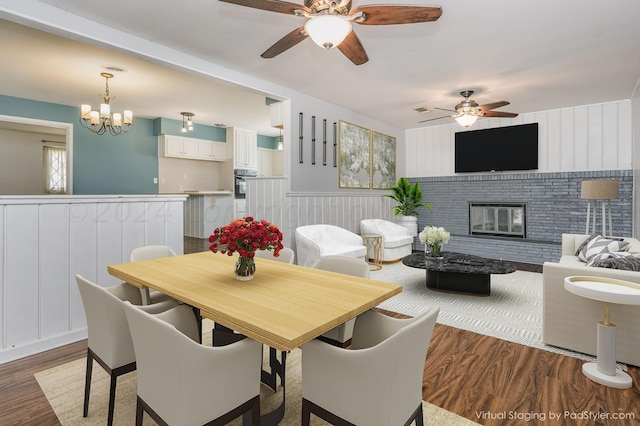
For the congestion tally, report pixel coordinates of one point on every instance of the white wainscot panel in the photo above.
(56, 280)
(47, 240)
(21, 273)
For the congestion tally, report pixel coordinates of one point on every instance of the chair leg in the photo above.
(112, 398)
(306, 413)
(417, 416)
(87, 383)
(139, 412)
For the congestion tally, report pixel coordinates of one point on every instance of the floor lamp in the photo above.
(594, 190)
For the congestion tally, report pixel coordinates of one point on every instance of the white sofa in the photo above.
(314, 241)
(569, 321)
(396, 241)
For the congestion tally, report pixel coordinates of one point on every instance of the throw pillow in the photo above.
(601, 245)
(585, 242)
(621, 260)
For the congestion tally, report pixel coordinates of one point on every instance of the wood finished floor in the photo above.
(475, 376)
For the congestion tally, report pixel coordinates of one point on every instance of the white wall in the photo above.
(591, 137)
(22, 161)
(49, 239)
(635, 113)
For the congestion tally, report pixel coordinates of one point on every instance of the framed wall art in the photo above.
(354, 156)
(383, 173)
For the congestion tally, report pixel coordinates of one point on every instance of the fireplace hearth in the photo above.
(497, 219)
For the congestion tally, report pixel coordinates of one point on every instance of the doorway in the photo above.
(25, 170)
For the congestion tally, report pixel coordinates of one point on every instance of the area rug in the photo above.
(63, 387)
(512, 312)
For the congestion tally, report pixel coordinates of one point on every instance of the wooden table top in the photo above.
(283, 306)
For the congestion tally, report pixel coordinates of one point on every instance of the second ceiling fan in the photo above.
(468, 111)
(329, 23)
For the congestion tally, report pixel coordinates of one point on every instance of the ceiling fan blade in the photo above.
(352, 49)
(433, 119)
(494, 105)
(388, 15)
(499, 114)
(444, 109)
(286, 42)
(270, 5)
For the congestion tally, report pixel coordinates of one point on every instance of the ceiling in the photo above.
(537, 55)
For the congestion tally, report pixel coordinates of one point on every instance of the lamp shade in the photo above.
(599, 190)
(327, 31)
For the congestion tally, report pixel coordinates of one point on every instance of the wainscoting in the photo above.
(268, 198)
(49, 239)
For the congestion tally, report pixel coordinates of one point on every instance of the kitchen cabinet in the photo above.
(191, 148)
(245, 148)
(211, 150)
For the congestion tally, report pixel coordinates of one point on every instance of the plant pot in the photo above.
(409, 222)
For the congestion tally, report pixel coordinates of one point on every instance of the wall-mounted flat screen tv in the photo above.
(497, 149)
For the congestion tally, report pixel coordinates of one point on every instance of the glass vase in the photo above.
(245, 268)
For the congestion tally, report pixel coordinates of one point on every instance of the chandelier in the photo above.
(187, 122)
(104, 121)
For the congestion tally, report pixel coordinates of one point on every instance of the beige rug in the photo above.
(64, 388)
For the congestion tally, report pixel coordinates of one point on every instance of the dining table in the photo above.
(283, 306)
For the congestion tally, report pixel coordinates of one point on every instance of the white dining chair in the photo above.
(109, 341)
(286, 255)
(147, 253)
(183, 383)
(349, 266)
(378, 382)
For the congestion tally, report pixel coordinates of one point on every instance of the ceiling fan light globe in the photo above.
(466, 120)
(327, 31)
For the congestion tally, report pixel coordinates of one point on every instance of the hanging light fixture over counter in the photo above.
(102, 121)
(187, 122)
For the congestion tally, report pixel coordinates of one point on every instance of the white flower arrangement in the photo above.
(433, 237)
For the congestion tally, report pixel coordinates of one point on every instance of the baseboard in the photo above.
(17, 352)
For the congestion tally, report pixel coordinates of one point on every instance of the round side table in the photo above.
(606, 290)
(373, 243)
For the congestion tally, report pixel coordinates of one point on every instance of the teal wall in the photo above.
(125, 164)
(167, 126)
(104, 164)
(269, 142)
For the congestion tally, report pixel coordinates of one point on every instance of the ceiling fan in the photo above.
(468, 111)
(329, 23)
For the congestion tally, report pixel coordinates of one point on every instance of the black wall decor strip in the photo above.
(313, 139)
(324, 142)
(335, 144)
(300, 156)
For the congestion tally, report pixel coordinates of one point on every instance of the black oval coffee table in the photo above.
(460, 273)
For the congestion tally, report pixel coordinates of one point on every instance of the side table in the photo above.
(606, 290)
(373, 243)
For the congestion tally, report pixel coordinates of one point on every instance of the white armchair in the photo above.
(396, 240)
(314, 241)
(109, 338)
(181, 382)
(376, 383)
(348, 266)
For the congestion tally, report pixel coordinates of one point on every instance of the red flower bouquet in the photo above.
(245, 236)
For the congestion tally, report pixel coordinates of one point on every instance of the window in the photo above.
(55, 166)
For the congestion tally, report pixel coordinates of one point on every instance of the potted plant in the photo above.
(409, 199)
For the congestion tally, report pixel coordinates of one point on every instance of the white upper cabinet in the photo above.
(211, 150)
(245, 148)
(196, 149)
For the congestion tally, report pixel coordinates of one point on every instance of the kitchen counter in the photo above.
(216, 192)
